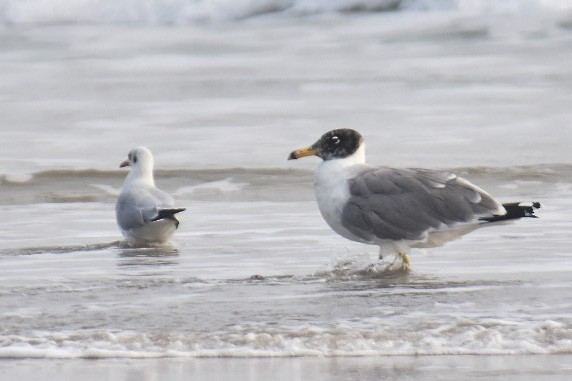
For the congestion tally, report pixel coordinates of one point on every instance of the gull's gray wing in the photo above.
(140, 205)
(396, 204)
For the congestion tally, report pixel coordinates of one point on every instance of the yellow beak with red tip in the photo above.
(306, 151)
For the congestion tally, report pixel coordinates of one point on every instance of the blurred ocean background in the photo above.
(221, 92)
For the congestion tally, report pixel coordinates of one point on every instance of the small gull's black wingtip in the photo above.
(167, 213)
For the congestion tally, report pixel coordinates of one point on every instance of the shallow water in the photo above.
(253, 269)
(266, 277)
(521, 368)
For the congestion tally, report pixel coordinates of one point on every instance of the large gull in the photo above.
(397, 209)
(145, 214)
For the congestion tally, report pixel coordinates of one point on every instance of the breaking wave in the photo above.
(232, 184)
(181, 12)
(374, 337)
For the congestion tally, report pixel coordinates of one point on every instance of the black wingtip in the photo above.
(168, 213)
(515, 211)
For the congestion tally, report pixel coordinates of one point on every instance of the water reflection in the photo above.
(148, 256)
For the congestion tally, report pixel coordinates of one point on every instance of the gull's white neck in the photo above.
(358, 157)
(332, 189)
(331, 172)
(140, 175)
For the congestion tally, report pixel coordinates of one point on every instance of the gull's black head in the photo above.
(335, 144)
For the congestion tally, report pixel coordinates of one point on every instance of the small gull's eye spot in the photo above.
(336, 140)
(134, 159)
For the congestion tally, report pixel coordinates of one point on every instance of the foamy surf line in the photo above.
(461, 337)
(548, 172)
(169, 12)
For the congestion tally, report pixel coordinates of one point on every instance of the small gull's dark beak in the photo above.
(124, 164)
(306, 151)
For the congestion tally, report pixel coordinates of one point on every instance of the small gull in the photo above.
(397, 209)
(145, 214)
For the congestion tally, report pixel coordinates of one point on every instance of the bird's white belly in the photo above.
(152, 232)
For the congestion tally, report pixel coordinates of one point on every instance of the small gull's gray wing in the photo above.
(162, 199)
(140, 205)
(397, 204)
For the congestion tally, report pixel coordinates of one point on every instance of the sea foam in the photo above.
(372, 337)
(169, 12)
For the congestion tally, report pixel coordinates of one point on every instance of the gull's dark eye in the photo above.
(134, 159)
(336, 140)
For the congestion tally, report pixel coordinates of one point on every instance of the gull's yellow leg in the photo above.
(405, 259)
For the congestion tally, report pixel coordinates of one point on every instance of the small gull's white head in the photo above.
(141, 162)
